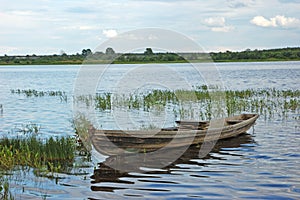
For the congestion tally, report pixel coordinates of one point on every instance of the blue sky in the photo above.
(53, 26)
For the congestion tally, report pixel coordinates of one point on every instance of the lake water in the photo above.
(263, 164)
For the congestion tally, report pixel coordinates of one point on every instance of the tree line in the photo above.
(148, 56)
(258, 55)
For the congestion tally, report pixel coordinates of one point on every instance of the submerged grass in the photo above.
(53, 154)
(44, 156)
(5, 193)
(37, 93)
(202, 102)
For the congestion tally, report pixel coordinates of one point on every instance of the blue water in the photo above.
(263, 164)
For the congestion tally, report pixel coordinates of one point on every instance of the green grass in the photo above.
(36, 93)
(53, 154)
(44, 156)
(5, 193)
(203, 102)
(92, 62)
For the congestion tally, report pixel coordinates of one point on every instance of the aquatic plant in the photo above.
(35, 93)
(199, 104)
(81, 126)
(87, 99)
(103, 101)
(29, 128)
(45, 156)
(53, 154)
(5, 192)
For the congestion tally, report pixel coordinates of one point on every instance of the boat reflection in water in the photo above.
(107, 172)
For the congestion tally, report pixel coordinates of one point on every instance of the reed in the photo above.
(29, 128)
(53, 154)
(36, 93)
(103, 101)
(81, 126)
(198, 103)
(5, 193)
(45, 156)
(86, 99)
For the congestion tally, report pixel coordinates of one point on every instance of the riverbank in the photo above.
(284, 54)
(79, 62)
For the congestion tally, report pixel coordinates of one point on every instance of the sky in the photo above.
(55, 26)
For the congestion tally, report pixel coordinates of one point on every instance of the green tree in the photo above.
(109, 51)
(148, 51)
(87, 52)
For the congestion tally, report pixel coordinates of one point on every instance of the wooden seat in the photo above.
(190, 122)
(170, 129)
(233, 121)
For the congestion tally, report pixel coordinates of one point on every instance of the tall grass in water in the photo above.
(35, 93)
(53, 154)
(81, 126)
(103, 102)
(198, 103)
(5, 193)
(45, 156)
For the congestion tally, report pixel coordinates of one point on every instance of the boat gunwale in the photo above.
(178, 133)
(119, 144)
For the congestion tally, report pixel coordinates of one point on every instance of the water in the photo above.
(263, 164)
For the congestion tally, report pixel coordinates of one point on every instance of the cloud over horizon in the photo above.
(48, 27)
(217, 24)
(110, 33)
(277, 21)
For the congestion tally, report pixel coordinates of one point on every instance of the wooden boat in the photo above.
(107, 173)
(186, 133)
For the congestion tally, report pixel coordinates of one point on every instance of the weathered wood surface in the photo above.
(114, 142)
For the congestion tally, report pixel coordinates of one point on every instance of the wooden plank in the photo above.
(234, 121)
(190, 122)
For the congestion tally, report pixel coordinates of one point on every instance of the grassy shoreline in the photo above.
(151, 62)
(110, 57)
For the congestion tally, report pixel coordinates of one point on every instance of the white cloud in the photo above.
(222, 29)
(14, 20)
(217, 24)
(287, 21)
(277, 21)
(240, 3)
(80, 27)
(82, 24)
(88, 27)
(214, 21)
(110, 33)
(23, 13)
(55, 37)
(261, 21)
(290, 1)
(7, 49)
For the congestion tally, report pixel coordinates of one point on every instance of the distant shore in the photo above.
(88, 57)
(80, 62)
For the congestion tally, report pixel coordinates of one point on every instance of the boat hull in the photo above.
(115, 142)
